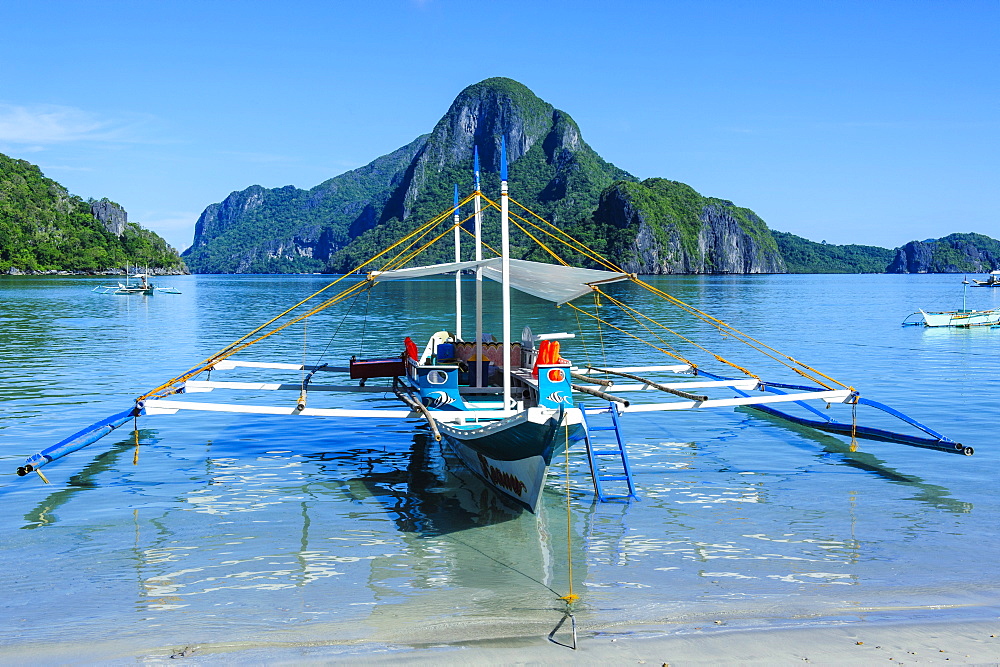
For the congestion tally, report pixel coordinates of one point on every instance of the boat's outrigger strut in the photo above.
(826, 423)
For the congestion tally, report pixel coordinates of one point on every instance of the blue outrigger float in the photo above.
(507, 408)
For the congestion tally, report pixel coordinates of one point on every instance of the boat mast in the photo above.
(479, 271)
(505, 264)
(458, 274)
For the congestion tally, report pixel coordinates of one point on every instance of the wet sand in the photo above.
(976, 643)
(968, 643)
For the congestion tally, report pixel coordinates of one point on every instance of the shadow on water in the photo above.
(42, 514)
(424, 490)
(931, 494)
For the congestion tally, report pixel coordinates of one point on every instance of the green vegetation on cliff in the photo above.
(43, 227)
(955, 253)
(674, 229)
(805, 256)
(289, 230)
(342, 222)
(656, 226)
(530, 176)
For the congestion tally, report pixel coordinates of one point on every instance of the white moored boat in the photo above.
(955, 318)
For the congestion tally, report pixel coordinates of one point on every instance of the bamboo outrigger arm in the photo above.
(417, 406)
(655, 385)
(582, 377)
(78, 440)
(600, 394)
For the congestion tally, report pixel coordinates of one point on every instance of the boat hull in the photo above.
(959, 318)
(513, 455)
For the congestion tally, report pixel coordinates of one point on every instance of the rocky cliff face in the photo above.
(548, 158)
(287, 229)
(217, 218)
(657, 227)
(669, 228)
(111, 215)
(334, 224)
(955, 253)
(46, 230)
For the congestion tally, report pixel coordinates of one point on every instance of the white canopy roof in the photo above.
(551, 282)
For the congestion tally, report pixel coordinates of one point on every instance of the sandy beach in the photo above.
(968, 643)
(974, 643)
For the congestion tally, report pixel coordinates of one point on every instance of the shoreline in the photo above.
(969, 642)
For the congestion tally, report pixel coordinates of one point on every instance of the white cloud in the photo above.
(47, 124)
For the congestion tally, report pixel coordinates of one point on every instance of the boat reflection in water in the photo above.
(427, 494)
(473, 560)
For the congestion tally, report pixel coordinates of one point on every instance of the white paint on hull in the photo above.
(959, 318)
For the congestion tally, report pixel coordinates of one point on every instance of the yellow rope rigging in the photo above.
(412, 244)
(619, 329)
(738, 335)
(629, 311)
(236, 345)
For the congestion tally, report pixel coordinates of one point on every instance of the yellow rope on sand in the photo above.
(570, 597)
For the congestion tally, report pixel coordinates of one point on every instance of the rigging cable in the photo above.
(368, 292)
(628, 333)
(235, 346)
(571, 597)
(719, 324)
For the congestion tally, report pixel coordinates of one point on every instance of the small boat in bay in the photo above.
(136, 283)
(959, 318)
(993, 280)
(508, 406)
(955, 318)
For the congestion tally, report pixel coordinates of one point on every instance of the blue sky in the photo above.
(871, 122)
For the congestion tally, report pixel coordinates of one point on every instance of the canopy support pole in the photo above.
(458, 274)
(479, 274)
(505, 255)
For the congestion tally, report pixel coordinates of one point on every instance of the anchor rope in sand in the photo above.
(570, 598)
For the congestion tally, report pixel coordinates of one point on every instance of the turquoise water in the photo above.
(348, 537)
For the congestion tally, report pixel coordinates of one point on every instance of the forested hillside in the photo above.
(341, 222)
(44, 228)
(955, 253)
(805, 256)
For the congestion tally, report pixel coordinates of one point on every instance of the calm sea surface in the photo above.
(337, 537)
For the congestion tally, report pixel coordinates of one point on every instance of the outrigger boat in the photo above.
(141, 285)
(508, 407)
(955, 318)
(992, 281)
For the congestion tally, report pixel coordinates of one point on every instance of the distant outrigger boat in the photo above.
(141, 286)
(992, 281)
(956, 318)
(507, 408)
(959, 318)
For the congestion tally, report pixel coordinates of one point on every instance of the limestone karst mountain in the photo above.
(337, 224)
